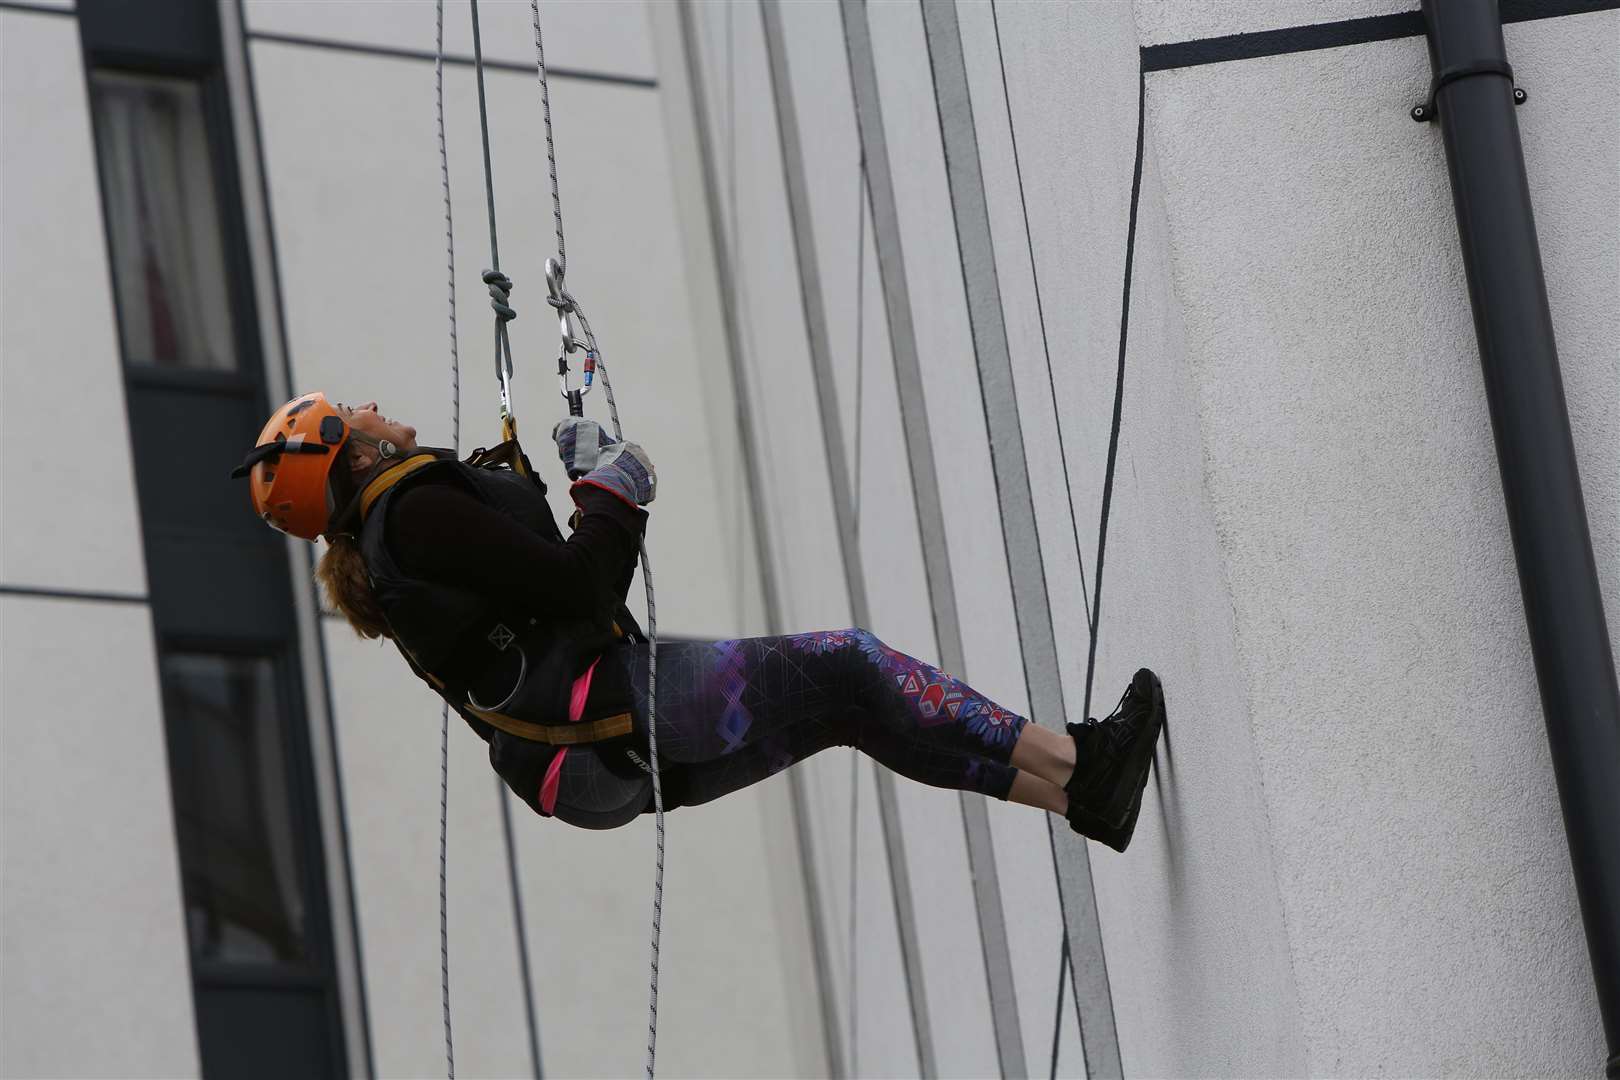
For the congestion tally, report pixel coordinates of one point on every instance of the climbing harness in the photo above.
(569, 314)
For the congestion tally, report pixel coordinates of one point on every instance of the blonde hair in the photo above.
(342, 574)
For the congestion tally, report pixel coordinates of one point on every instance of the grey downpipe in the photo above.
(1563, 608)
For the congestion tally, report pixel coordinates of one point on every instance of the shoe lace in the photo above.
(1116, 728)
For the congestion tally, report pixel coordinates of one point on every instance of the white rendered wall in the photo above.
(93, 924)
(1413, 820)
(90, 907)
(60, 344)
(1351, 858)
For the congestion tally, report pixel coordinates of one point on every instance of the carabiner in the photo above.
(558, 298)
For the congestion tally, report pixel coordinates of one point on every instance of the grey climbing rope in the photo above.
(500, 289)
(566, 303)
(551, 145)
(455, 443)
(500, 286)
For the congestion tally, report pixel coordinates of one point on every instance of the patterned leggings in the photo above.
(731, 713)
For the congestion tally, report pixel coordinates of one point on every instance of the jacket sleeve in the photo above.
(442, 532)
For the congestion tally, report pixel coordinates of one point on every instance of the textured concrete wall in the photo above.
(1351, 859)
(90, 915)
(1413, 819)
(1176, 955)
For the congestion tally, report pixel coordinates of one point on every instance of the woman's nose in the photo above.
(370, 406)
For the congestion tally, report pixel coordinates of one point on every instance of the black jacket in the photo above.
(486, 598)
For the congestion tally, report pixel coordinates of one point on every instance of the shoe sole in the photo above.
(1118, 835)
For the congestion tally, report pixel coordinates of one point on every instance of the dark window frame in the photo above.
(285, 678)
(247, 378)
(181, 39)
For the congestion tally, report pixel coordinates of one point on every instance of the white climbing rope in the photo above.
(570, 304)
(566, 303)
(455, 445)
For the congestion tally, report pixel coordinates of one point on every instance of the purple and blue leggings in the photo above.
(731, 713)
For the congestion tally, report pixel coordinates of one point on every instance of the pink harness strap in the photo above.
(576, 712)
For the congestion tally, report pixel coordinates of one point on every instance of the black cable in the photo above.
(1040, 314)
(1119, 383)
(1057, 1017)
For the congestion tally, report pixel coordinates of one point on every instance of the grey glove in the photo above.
(580, 443)
(624, 469)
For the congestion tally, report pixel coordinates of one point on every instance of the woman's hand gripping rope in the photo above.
(593, 457)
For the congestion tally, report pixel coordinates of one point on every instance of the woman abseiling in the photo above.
(525, 633)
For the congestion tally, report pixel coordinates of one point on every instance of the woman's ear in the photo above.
(361, 457)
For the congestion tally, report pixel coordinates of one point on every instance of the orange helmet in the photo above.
(289, 469)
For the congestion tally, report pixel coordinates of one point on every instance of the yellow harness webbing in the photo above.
(390, 476)
(609, 727)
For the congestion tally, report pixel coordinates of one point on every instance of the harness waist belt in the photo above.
(609, 727)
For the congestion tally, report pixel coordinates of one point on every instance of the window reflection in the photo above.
(163, 218)
(233, 811)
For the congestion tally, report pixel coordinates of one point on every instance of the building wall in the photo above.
(90, 891)
(355, 269)
(1350, 859)
(1412, 815)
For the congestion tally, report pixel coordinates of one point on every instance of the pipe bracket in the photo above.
(1429, 110)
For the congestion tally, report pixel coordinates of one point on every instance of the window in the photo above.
(253, 870)
(163, 221)
(239, 855)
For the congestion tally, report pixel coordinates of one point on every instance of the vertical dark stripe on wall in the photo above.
(1040, 314)
(1057, 1010)
(1089, 974)
(1119, 385)
(1020, 529)
(321, 660)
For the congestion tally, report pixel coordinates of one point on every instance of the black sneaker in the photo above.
(1117, 837)
(1113, 757)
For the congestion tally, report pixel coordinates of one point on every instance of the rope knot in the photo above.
(500, 295)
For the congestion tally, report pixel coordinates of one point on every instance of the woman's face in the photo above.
(368, 421)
